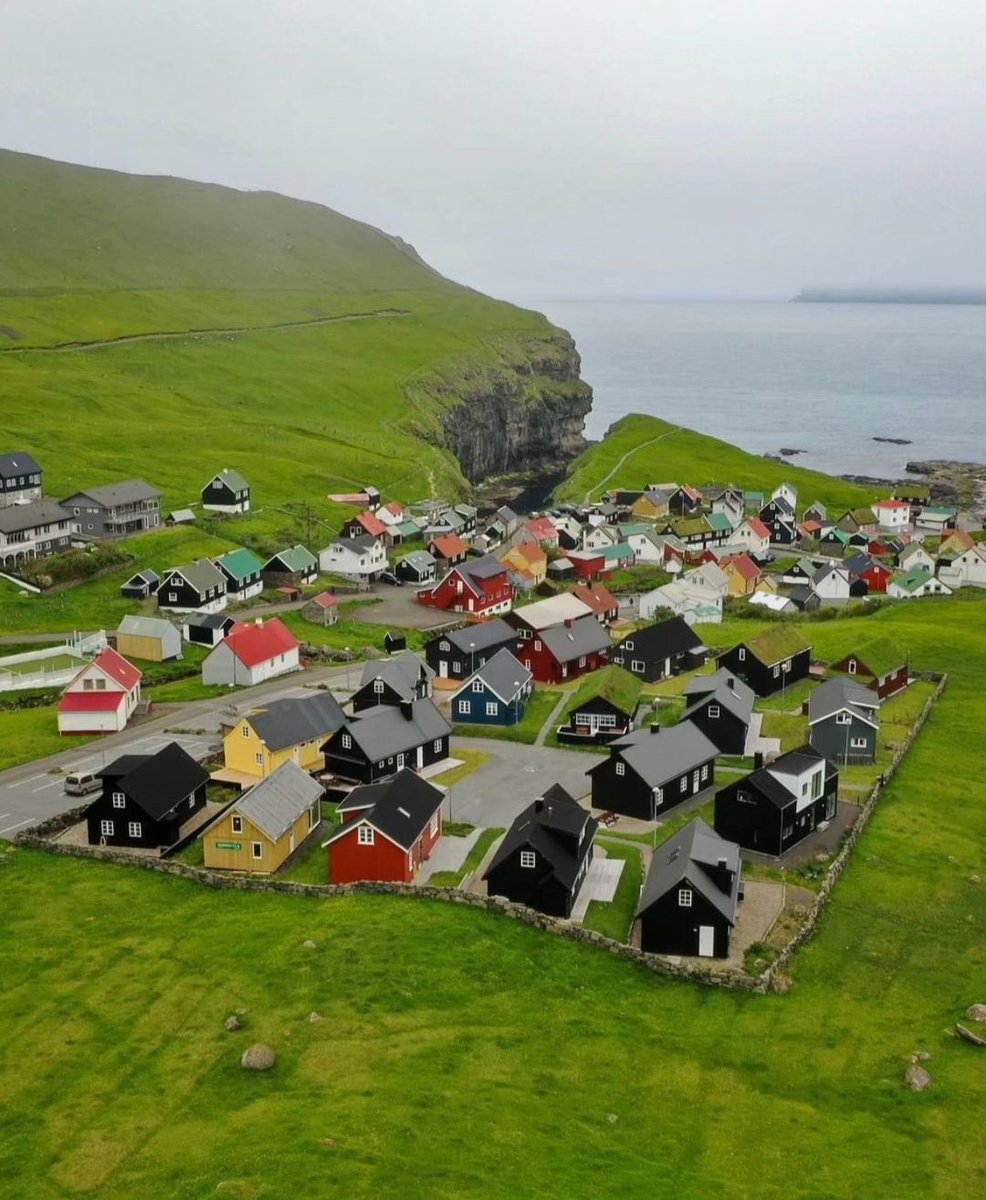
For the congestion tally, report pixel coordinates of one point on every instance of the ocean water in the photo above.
(822, 378)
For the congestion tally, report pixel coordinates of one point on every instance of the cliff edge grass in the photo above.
(162, 323)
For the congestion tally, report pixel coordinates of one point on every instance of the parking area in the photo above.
(397, 606)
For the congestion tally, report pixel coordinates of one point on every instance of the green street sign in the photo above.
(229, 845)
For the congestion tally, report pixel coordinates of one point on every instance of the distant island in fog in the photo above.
(891, 295)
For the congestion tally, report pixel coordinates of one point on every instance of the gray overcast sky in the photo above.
(540, 148)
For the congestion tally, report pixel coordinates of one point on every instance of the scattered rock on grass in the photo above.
(612, 1118)
(977, 1012)
(308, 944)
(232, 1023)
(975, 1038)
(781, 983)
(258, 1057)
(920, 1056)
(327, 1141)
(917, 1078)
(314, 1016)
(975, 879)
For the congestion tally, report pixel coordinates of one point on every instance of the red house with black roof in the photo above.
(388, 830)
(479, 587)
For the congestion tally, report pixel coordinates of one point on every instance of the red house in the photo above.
(365, 522)
(542, 530)
(589, 565)
(605, 606)
(388, 830)
(479, 587)
(564, 651)
(877, 576)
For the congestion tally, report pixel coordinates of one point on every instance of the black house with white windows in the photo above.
(227, 492)
(652, 770)
(383, 740)
(20, 478)
(690, 896)
(657, 651)
(843, 720)
(393, 680)
(458, 654)
(543, 859)
(196, 587)
(722, 707)
(770, 661)
(146, 799)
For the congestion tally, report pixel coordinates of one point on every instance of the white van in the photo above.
(81, 783)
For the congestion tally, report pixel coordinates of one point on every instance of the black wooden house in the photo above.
(770, 661)
(657, 651)
(456, 655)
(543, 859)
(652, 770)
(393, 680)
(146, 799)
(722, 707)
(383, 740)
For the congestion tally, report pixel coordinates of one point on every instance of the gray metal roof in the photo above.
(286, 722)
(147, 627)
(274, 804)
(128, 491)
(843, 695)
(402, 672)
(658, 757)
(684, 859)
(504, 675)
(737, 699)
(385, 731)
(18, 462)
(232, 479)
(482, 635)
(17, 517)
(201, 574)
(704, 685)
(585, 635)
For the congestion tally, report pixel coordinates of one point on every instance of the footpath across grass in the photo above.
(615, 918)
(475, 856)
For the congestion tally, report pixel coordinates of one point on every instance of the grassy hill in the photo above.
(461, 1054)
(262, 375)
(639, 449)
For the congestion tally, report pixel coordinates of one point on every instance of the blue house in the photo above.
(496, 694)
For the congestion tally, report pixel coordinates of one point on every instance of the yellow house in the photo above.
(741, 574)
(767, 583)
(528, 559)
(292, 730)
(266, 825)
(650, 505)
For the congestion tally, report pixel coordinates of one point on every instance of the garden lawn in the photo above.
(615, 917)
(30, 733)
(475, 856)
(471, 760)
(539, 708)
(348, 633)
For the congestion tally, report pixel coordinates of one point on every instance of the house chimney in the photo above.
(655, 728)
(568, 622)
(539, 804)
(259, 621)
(731, 683)
(407, 709)
(757, 760)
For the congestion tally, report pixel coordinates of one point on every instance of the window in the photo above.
(464, 707)
(257, 850)
(684, 783)
(684, 897)
(582, 661)
(378, 686)
(618, 659)
(492, 708)
(191, 801)
(237, 824)
(714, 711)
(628, 645)
(119, 800)
(658, 794)
(87, 685)
(106, 828)
(843, 718)
(433, 824)
(134, 829)
(621, 769)
(741, 654)
(456, 668)
(366, 835)
(537, 645)
(858, 743)
(258, 758)
(312, 818)
(444, 646)
(245, 730)
(787, 831)
(528, 858)
(172, 597)
(437, 745)
(787, 664)
(477, 685)
(776, 672)
(525, 635)
(705, 771)
(637, 666)
(346, 741)
(852, 666)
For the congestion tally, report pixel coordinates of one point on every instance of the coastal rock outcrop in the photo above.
(524, 413)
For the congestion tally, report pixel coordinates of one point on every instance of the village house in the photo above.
(34, 530)
(416, 567)
(496, 694)
(914, 555)
(526, 562)
(147, 800)
(478, 587)
(116, 510)
(652, 770)
(199, 586)
(393, 680)
(742, 574)
(383, 740)
(770, 661)
(290, 730)
(880, 664)
(544, 857)
(258, 832)
(695, 603)
(252, 653)
(754, 535)
(645, 542)
(370, 525)
(206, 629)
(690, 897)
(322, 609)
(20, 478)
(722, 707)
(460, 652)
(360, 557)
(102, 697)
(874, 574)
(831, 584)
(242, 571)
(388, 830)
(150, 638)
(562, 651)
(293, 566)
(666, 648)
(937, 518)
(843, 720)
(141, 585)
(892, 515)
(228, 492)
(970, 566)
(599, 599)
(604, 707)
(589, 564)
(777, 806)
(651, 505)
(684, 500)
(916, 583)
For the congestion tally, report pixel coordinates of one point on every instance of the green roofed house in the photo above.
(291, 567)
(770, 661)
(603, 708)
(242, 569)
(721, 526)
(227, 492)
(880, 664)
(912, 585)
(937, 517)
(416, 567)
(694, 531)
(621, 554)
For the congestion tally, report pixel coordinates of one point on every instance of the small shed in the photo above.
(322, 609)
(149, 638)
(138, 587)
(206, 629)
(180, 516)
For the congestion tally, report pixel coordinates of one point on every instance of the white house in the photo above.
(357, 557)
(913, 556)
(599, 537)
(102, 697)
(938, 519)
(697, 604)
(251, 653)
(971, 566)
(709, 575)
(914, 584)
(789, 492)
(893, 515)
(754, 535)
(831, 584)
(773, 601)
(647, 545)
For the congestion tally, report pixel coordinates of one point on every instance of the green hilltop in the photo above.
(164, 328)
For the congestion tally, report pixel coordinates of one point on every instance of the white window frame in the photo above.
(237, 825)
(257, 850)
(465, 708)
(684, 783)
(684, 897)
(658, 794)
(705, 771)
(346, 742)
(366, 836)
(843, 718)
(477, 685)
(378, 686)
(741, 654)
(638, 666)
(857, 743)
(135, 829)
(433, 824)
(119, 800)
(620, 768)
(437, 745)
(492, 708)
(106, 828)
(714, 712)
(528, 859)
(258, 758)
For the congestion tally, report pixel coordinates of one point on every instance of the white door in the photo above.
(443, 670)
(400, 762)
(291, 843)
(421, 757)
(706, 941)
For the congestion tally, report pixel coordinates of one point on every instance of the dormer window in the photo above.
(528, 858)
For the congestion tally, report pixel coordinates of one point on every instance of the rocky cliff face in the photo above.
(524, 413)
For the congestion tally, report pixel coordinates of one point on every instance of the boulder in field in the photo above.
(917, 1078)
(258, 1057)
(232, 1023)
(967, 1035)
(977, 1012)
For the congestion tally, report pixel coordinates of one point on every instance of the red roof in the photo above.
(372, 524)
(349, 497)
(254, 644)
(449, 545)
(90, 701)
(744, 564)
(115, 667)
(542, 529)
(597, 596)
(395, 509)
(692, 493)
(324, 600)
(891, 504)
(810, 526)
(758, 527)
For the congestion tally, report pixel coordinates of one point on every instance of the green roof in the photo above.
(688, 525)
(614, 684)
(777, 644)
(466, 510)
(910, 581)
(750, 497)
(233, 480)
(865, 516)
(720, 522)
(297, 558)
(882, 655)
(419, 559)
(942, 510)
(635, 527)
(620, 550)
(240, 563)
(409, 528)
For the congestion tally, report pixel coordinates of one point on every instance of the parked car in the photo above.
(81, 783)
(762, 559)
(391, 578)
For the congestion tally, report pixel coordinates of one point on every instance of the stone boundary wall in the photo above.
(40, 837)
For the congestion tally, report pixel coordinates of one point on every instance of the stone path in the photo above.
(448, 855)
(553, 716)
(600, 883)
